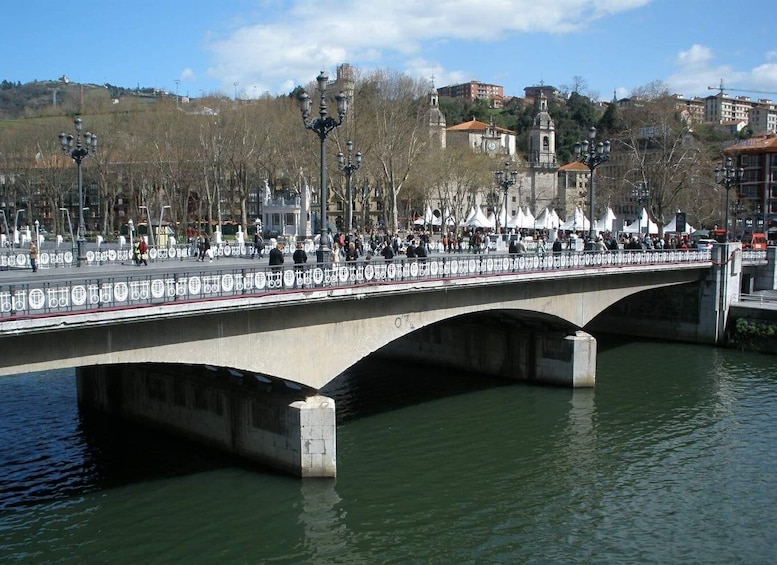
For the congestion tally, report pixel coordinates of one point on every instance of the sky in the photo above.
(247, 48)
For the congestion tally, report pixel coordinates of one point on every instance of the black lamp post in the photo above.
(506, 179)
(348, 166)
(322, 126)
(592, 154)
(728, 176)
(641, 193)
(78, 153)
(737, 208)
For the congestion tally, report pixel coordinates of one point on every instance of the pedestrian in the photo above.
(337, 255)
(352, 254)
(258, 245)
(276, 256)
(420, 252)
(299, 257)
(387, 252)
(142, 252)
(34, 257)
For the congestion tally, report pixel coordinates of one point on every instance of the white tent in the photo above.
(528, 219)
(577, 222)
(491, 219)
(544, 221)
(607, 223)
(479, 220)
(639, 225)
(469, 218)
(515, 221)
(556, 219)
(671, 227)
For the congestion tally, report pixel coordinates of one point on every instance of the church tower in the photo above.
(437, 127)
(541, 160)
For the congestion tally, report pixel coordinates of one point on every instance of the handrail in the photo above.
(93, 292)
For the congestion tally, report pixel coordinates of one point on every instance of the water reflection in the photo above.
(325, 532)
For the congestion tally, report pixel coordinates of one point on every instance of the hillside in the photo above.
(55, 97)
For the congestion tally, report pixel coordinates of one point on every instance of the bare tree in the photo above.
(398, 109)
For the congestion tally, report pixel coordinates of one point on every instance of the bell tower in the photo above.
(541, 159)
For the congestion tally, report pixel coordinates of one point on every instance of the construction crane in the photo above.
(721, 89)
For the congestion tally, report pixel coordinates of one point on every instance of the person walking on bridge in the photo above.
(34, 257)
(276, 256)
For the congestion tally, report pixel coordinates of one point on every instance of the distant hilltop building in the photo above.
(65, 79)
(474, 90)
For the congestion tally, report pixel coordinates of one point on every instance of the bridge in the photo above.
(237, 356)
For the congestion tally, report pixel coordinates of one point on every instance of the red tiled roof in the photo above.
(760, 144)
(574, 166)
(477, 126)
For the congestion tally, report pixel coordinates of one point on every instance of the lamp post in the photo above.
(506, 179)
(728, 176)
(641, 193)
(348, 166)
(16, 226)
(37, 233)
(78, 153)
(161, 213)
(149, 229)
(70, 227)
(592, 154)
(131, 229)
(322, 126)
(737, 209)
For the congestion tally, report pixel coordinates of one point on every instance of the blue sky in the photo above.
(274, 45)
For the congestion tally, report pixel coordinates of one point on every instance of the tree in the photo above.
(659, 150)
(398, 111)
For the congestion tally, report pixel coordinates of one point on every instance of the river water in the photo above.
(671, 459)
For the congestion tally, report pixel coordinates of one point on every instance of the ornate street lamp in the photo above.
(78, 153)
(728, 176)
(348, 166)
(322, 126)
(505, 179)
(641, 193)
(70, 228)
(737, 208)
(592, 154)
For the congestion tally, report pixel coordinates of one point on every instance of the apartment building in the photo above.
(474, 90)
(758, 191)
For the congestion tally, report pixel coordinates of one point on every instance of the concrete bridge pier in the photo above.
(546, 357)
(267, 421)
(718, 291)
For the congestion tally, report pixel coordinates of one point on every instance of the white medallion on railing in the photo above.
(78, 295)
(37, 299)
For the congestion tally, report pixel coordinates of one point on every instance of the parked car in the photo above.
(755, 241)
(705, 243)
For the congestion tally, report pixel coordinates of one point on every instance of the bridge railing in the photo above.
(137, 289)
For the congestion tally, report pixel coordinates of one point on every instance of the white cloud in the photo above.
(309, 37)
(695, 57)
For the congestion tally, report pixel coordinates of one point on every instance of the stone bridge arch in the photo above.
(310, 338)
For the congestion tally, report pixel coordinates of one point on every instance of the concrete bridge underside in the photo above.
(299, 336)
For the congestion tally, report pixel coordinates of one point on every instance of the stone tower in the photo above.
(541, 159)
(437, 126)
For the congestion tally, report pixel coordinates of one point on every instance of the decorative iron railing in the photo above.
(88, 290)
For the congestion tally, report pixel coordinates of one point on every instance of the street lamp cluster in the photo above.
(348, 166)
(592, 154)
(506, 179)
(728, 176)
(641, 193)
(78, 152)
(322, 126)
